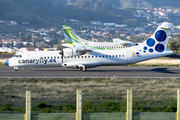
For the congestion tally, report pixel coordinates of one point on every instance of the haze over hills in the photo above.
(49, 12)
(125, 3)
(53, 12)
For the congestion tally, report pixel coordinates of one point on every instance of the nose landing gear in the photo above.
(16, 68)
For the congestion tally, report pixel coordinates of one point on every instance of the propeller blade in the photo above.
(60, 45)
(61, 50)
(62, 56)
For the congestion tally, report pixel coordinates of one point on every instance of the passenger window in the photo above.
(109, 55)
(103, 56)
(116, 55)
(81, 56)
(58, 57)
(106, 55)
(122, 55)
(99, 56)
(113, 56)
(96, 56)
(88, 56)
(78, 56)
(85, 56)
(54, 57)
(92, 56)
(119, 55)
(48, 57)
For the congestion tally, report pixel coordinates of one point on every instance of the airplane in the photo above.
(73, 40)
(155, 46)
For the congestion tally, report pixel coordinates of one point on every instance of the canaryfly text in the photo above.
(36, 61)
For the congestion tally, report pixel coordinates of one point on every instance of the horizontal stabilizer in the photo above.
(166, 26)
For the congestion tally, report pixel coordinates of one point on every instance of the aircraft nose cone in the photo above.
(7, 62)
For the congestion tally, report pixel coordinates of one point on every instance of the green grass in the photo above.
(154, 65)
(2, 64)
(7, 53)
(148, 94)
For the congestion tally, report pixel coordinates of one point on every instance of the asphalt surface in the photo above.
(98, 72)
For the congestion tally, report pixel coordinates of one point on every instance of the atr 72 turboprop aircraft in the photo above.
(73, 40)
(154, 47)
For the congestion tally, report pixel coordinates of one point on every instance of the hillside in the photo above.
(149, 3)
(125, 3)
(53, 12)
(47, 12)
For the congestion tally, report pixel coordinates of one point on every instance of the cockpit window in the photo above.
(18, 56)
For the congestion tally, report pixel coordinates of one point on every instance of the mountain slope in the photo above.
(46, 12)
(149, 3)
(127, 3)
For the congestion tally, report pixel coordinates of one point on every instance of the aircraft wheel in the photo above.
(84, 69)
(16, 68)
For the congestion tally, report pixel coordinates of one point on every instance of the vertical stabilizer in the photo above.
(159, 40)
(71, 36)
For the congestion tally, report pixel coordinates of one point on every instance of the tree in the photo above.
(173, 45)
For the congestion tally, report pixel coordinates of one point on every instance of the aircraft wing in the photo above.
(81, 49)
(84, 51)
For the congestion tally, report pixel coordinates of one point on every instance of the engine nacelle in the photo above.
(68, 52)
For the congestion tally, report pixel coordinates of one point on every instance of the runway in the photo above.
(99, 72)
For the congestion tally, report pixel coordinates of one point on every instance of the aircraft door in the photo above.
(129, 56)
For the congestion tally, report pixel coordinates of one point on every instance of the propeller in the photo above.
(61, 50)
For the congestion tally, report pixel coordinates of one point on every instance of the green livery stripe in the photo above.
(87, 45)
(70, 43)
(67, 41)
(66, 33)
(70, 34)
(69, 31)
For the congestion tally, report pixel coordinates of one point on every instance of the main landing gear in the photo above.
(83, 68)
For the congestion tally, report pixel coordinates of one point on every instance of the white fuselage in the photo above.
(82, 59)
(91, 59)
(35, 58)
